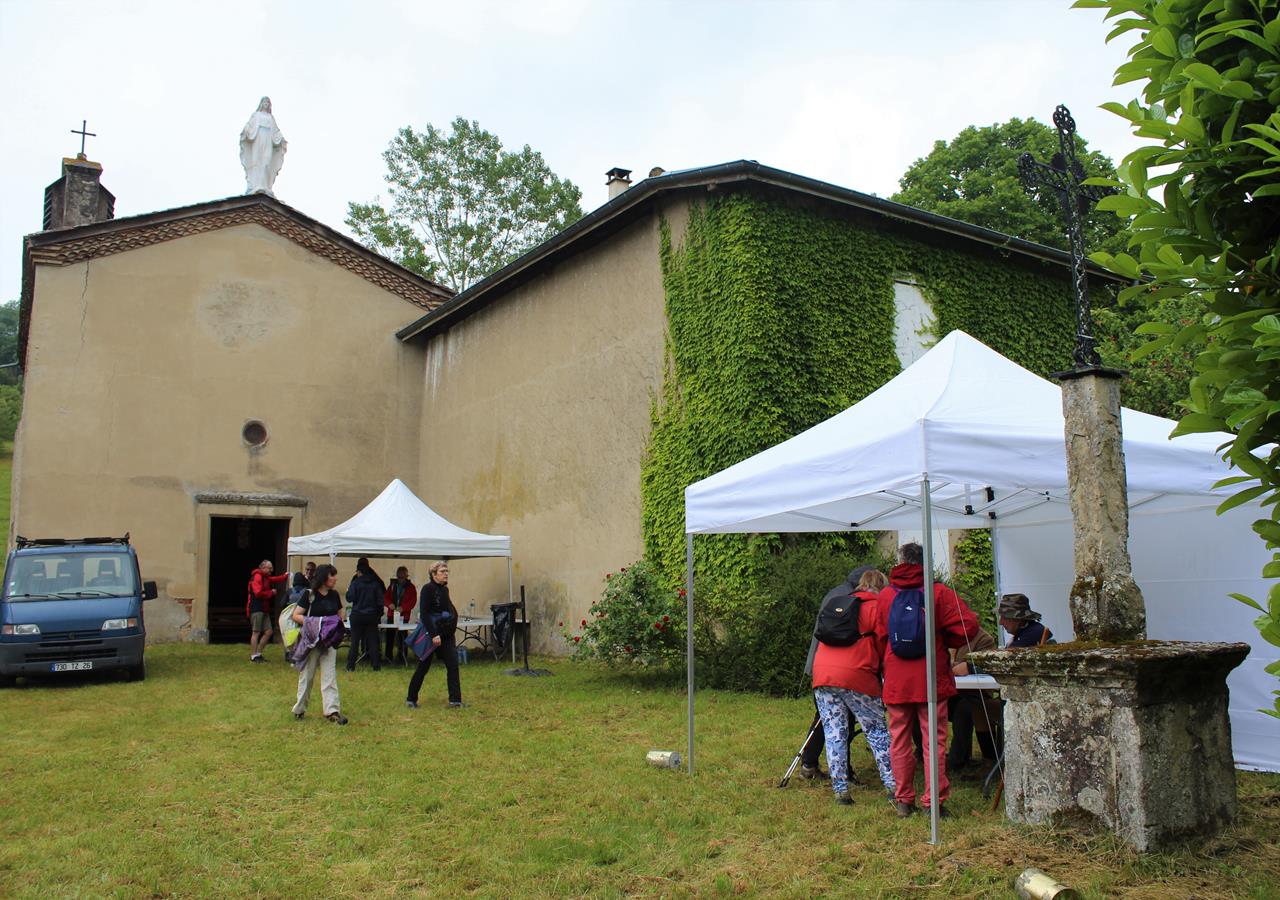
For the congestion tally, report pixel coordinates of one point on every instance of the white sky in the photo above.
(848, 92)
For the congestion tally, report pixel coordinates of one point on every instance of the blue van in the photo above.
(72, 606)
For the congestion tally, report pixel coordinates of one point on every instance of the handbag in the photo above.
(419, 642)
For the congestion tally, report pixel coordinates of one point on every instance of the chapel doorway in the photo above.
(236, 545)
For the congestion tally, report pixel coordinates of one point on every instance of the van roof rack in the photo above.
(23, 542)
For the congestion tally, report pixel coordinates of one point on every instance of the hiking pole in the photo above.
(817, 723)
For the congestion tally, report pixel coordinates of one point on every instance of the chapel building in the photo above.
(215, 378)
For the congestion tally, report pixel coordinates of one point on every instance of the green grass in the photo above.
(199, 782)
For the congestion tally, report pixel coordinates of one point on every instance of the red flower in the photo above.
(623, 569)
(608, 575)
(628, 649)
(666, 618)
(576, 638)
(561, 624)
(584, 623)
(657, 625)
(681, 594)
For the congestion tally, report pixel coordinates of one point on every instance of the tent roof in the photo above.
(397, 524)
(969, 419)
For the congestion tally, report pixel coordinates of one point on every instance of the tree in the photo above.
(461, 206)
(1203, 203)
(974, 178)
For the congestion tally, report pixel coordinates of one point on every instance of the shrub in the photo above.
(759, 642)
(636, 621)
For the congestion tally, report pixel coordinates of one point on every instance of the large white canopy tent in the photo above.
(398, 525)
(966, 438)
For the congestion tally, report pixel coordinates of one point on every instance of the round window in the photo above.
(254, 433)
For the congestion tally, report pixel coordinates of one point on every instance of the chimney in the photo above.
(78, 197)
(619, 181)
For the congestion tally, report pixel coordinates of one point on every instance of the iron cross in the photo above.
(1063, 175)
(84, 133)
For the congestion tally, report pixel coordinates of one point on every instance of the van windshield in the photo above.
(71, 575)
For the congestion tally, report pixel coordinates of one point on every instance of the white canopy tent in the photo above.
(966, 438)
(398, 525)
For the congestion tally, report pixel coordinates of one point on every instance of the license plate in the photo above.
(73, 666)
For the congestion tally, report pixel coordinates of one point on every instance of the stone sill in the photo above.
(1143, 672)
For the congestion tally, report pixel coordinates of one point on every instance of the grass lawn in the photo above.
(198, 781)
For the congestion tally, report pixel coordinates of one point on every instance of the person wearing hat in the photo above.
(1022, 622)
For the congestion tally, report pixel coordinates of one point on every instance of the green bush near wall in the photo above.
(780, 315)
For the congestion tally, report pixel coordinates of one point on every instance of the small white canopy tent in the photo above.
(966, 438)
(398, 525)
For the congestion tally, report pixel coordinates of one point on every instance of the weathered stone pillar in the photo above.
(1134, 738)
(1106, 604)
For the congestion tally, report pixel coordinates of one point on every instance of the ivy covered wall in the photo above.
(781, 314)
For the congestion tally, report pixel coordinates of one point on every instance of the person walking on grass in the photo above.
(906, 677)
(364, 597)
(846, 682)
(258, 608)
(438, 615)
(319, 612)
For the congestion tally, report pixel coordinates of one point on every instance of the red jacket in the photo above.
(260, 589)
(408, 600)
(856, 667)
(904, 679)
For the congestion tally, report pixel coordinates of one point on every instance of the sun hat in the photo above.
(1017, 606)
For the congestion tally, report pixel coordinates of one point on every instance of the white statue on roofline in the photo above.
(262, 149)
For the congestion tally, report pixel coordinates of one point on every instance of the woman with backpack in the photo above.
(846, 681)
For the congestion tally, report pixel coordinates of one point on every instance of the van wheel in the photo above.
(138, 672)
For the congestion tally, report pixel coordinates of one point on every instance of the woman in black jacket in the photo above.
(439, 616)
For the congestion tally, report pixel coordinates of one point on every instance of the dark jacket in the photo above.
(433, 604)
(1030, 634)
(364, 595)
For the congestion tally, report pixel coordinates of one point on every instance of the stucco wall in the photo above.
(536, 421)
(143, 366)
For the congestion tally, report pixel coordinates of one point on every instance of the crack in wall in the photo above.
(84, 308)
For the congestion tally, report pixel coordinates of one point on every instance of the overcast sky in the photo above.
(848, 92)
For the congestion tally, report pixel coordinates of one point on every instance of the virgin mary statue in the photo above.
(262, 148)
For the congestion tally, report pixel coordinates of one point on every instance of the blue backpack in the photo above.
(906, 624)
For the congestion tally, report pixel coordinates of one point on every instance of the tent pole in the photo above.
(688, 647)
(995, 579)
(930, 662)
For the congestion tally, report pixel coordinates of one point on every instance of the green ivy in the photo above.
(781, 315)
(974, 577)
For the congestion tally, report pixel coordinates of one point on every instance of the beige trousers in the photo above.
(327, 662)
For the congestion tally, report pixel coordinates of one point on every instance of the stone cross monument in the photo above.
(1106, 603)
(1112, 729)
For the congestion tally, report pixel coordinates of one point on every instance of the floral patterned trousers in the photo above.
(869, 711)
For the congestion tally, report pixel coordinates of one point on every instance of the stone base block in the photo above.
(1133, 737)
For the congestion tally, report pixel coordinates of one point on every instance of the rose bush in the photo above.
(636, 621)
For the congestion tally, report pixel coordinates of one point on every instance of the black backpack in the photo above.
(838, 621)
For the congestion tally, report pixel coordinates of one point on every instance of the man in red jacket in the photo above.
(906, 682)
(258, 608)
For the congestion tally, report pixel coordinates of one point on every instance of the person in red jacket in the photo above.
(846, 680)
(400, 593)
(906, 682)
(258, 607)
